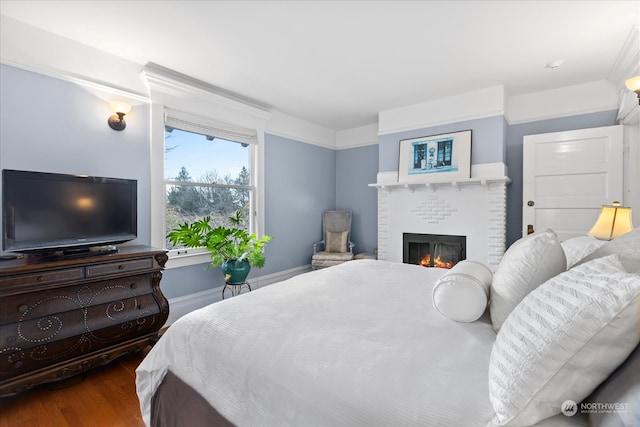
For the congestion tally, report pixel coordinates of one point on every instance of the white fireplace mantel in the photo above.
(433, 186)
(473, 207)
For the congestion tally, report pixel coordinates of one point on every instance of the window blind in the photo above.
(206, 126)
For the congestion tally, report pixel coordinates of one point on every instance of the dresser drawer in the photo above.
(43, 277)
(54, 301)
(98, 270)
(38, 343)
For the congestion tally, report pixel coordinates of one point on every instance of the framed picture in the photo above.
(435, 158)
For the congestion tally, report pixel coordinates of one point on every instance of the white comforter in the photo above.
(355, 344)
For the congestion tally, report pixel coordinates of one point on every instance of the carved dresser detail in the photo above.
(61, 317)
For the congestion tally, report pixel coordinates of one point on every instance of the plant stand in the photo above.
(235, 288)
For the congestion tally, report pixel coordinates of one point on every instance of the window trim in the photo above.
(168, 89)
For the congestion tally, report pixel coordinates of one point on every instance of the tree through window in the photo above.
(205, 176)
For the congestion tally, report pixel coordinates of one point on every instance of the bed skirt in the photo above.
(176, 404)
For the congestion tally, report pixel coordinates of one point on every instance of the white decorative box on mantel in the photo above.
(475, 207)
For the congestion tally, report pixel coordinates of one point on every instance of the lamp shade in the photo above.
(633, 84)
(120, 107)
(613, 221)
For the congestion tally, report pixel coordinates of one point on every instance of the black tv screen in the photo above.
(48, 211)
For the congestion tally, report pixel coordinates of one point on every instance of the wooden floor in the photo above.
(105, 396)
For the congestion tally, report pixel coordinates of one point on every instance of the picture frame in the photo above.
(443, 157)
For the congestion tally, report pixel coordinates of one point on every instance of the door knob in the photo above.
(530, 203)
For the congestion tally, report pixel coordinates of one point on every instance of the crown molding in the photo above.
(296, 129)
(626, 66)
(361, 136)
(566, 101)
(482, 103)
(166, 85)
(628, 61)
(120, 93)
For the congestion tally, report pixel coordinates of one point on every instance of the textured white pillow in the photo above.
(564, 339)
(577, 248)
(528, 263)
(461, 294)
(626, 245)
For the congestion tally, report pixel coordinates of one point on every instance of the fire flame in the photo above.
(437, 262)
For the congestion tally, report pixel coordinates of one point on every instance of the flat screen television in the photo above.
(50, 212)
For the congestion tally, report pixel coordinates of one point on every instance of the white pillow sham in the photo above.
(528, 263)
(461, 294)
(564, 339)
(575, 249)
(626, 245)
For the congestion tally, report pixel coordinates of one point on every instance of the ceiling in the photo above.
(338, 63)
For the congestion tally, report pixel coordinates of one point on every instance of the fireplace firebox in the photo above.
(433, 250)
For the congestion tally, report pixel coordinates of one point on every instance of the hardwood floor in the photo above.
(105, 396)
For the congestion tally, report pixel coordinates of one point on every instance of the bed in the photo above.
(358, 344)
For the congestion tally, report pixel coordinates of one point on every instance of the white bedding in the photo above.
(355, 344)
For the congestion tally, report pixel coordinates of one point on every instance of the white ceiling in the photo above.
(338, 63)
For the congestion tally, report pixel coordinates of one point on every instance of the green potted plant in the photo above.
(232, 247)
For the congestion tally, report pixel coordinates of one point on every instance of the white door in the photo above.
(568, 176)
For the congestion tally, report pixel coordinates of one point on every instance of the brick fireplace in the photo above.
(474, 208)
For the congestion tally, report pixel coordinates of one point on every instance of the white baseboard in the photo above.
(268, 279)
(179, 306)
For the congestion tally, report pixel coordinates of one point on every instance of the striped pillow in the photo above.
(563, 340)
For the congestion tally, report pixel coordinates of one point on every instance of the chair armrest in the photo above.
(315, 246)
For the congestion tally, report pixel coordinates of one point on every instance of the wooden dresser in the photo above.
(61, 317)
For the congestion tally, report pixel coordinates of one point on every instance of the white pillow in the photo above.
(462, 293)
(564, 339)
(577, 248)
(626, 245)
(528, 263)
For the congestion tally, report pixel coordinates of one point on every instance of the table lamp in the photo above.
(614, 220)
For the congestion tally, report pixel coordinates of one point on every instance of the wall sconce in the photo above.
(633, 84)
(613, 221)
(116, 122)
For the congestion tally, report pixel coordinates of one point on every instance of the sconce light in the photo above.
(613, 221)
(633, 84)
(116, 122)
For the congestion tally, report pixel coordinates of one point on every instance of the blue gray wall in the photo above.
(51, 125)
(487, 136)
(356, 168)
(515, 133)
(177, 282)
(300, 182)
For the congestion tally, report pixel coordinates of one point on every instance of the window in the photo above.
(182, 109)
(205, 176)
(209, 168)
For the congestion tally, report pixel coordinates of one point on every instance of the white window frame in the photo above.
(170, 90)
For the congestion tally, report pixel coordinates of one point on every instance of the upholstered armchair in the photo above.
(335, 246)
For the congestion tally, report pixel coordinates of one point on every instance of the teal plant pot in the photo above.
(235, 271)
